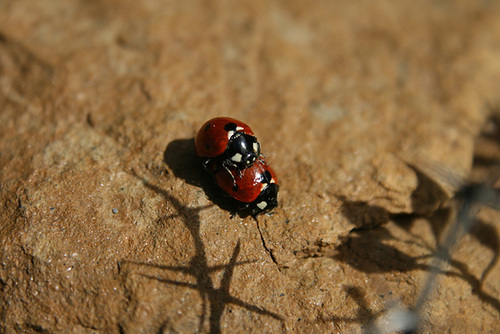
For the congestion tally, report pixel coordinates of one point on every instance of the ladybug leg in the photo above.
(241, 208)
(261, 159)
(225, 195)
(205, 164)
(270, 213)
(230, 174)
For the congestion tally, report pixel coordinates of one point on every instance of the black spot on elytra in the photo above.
(235, 188)
(207, 127)
(230, 127)
(266, 177)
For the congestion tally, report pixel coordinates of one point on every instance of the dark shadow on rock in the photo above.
(363, 248)
(475, 283)
(428, 196)
(364, 313)
(438, 222)
(490, 136)
(367, 251)
(216, 298)
(363, 215)
(487, 235)
(182, 160)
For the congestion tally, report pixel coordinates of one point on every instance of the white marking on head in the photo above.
(255, 147)
(237, 157)
(262, 205)
(239, 128)
(230, 134)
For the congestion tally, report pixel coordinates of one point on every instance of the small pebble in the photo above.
(115, 210)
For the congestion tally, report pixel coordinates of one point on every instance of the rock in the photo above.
(368, 112)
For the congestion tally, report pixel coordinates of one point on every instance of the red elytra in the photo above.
(248, 183)
(231, 153)
(213, 136)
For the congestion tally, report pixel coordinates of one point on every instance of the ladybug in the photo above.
(230, 139)
(256, 186)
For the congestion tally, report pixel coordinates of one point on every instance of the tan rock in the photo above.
(368, 112)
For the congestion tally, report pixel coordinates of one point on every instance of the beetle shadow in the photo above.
(181, 158)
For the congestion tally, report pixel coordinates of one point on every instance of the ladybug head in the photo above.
(267, 200)
(242, 150)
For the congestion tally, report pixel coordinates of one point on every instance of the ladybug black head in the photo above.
(267, 200)
(242, 150)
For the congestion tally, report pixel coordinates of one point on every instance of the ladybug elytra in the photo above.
(231, 153)
(230, 139)
(256, 186)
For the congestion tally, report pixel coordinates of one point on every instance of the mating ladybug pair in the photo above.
(232, 154)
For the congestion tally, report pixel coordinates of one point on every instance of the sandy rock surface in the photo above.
(371, 113)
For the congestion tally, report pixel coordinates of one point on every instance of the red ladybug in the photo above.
(256, 186)
(230, 139)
